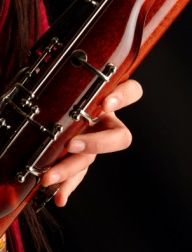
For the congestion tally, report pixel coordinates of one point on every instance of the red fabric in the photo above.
(16, 243)
(15, 233)
(5, 15)
(44, 25)
(4, 9)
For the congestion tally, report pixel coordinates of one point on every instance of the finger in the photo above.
(67, 168)
(115, 137)
(68, 187)
(124, 95)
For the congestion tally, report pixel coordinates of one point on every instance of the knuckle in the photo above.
(99, 146)
(65, 174)
(96, 146)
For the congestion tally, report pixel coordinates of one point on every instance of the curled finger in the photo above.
(68, 187)
(67, 168)
(124, 95)
(114, 137)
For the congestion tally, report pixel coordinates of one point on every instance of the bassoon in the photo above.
(87, 52)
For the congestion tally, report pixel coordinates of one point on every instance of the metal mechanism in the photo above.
(43, 196)
(31, 166)
(19, 102)
(79, 58)
(48, 50)
(19, 106)
(94, 3)
(3, 124)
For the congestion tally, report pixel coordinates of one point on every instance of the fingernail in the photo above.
(76, 146)
(112, 103)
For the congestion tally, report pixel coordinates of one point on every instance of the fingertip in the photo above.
(60, 200)
(124, 94)
(45, 182)
(137, 88)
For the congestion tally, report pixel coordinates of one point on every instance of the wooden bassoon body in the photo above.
(92, 47)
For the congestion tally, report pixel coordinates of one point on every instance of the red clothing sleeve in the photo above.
(44, 25)
(15, 239)
(8, 61)
(4, 10)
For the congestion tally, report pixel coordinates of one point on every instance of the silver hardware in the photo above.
(21, 86)
(26, 102)
(66, 50)
(43, 196)
(30, 167)
(29, 117)
(94, 3)
(21, 176)
(79, 58)
(25, 106)
(58, 129)
(35, 68)
(77, 113)
(35, 110)
(27, 72)
(3, 124)
(85, 115)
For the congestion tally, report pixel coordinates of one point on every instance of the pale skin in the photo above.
(84, 148)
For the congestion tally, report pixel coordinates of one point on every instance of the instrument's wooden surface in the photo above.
(157, 26)
(102, 46)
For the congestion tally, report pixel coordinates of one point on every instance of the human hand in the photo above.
(84, 147)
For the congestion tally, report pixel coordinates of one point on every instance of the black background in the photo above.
(140, 199)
